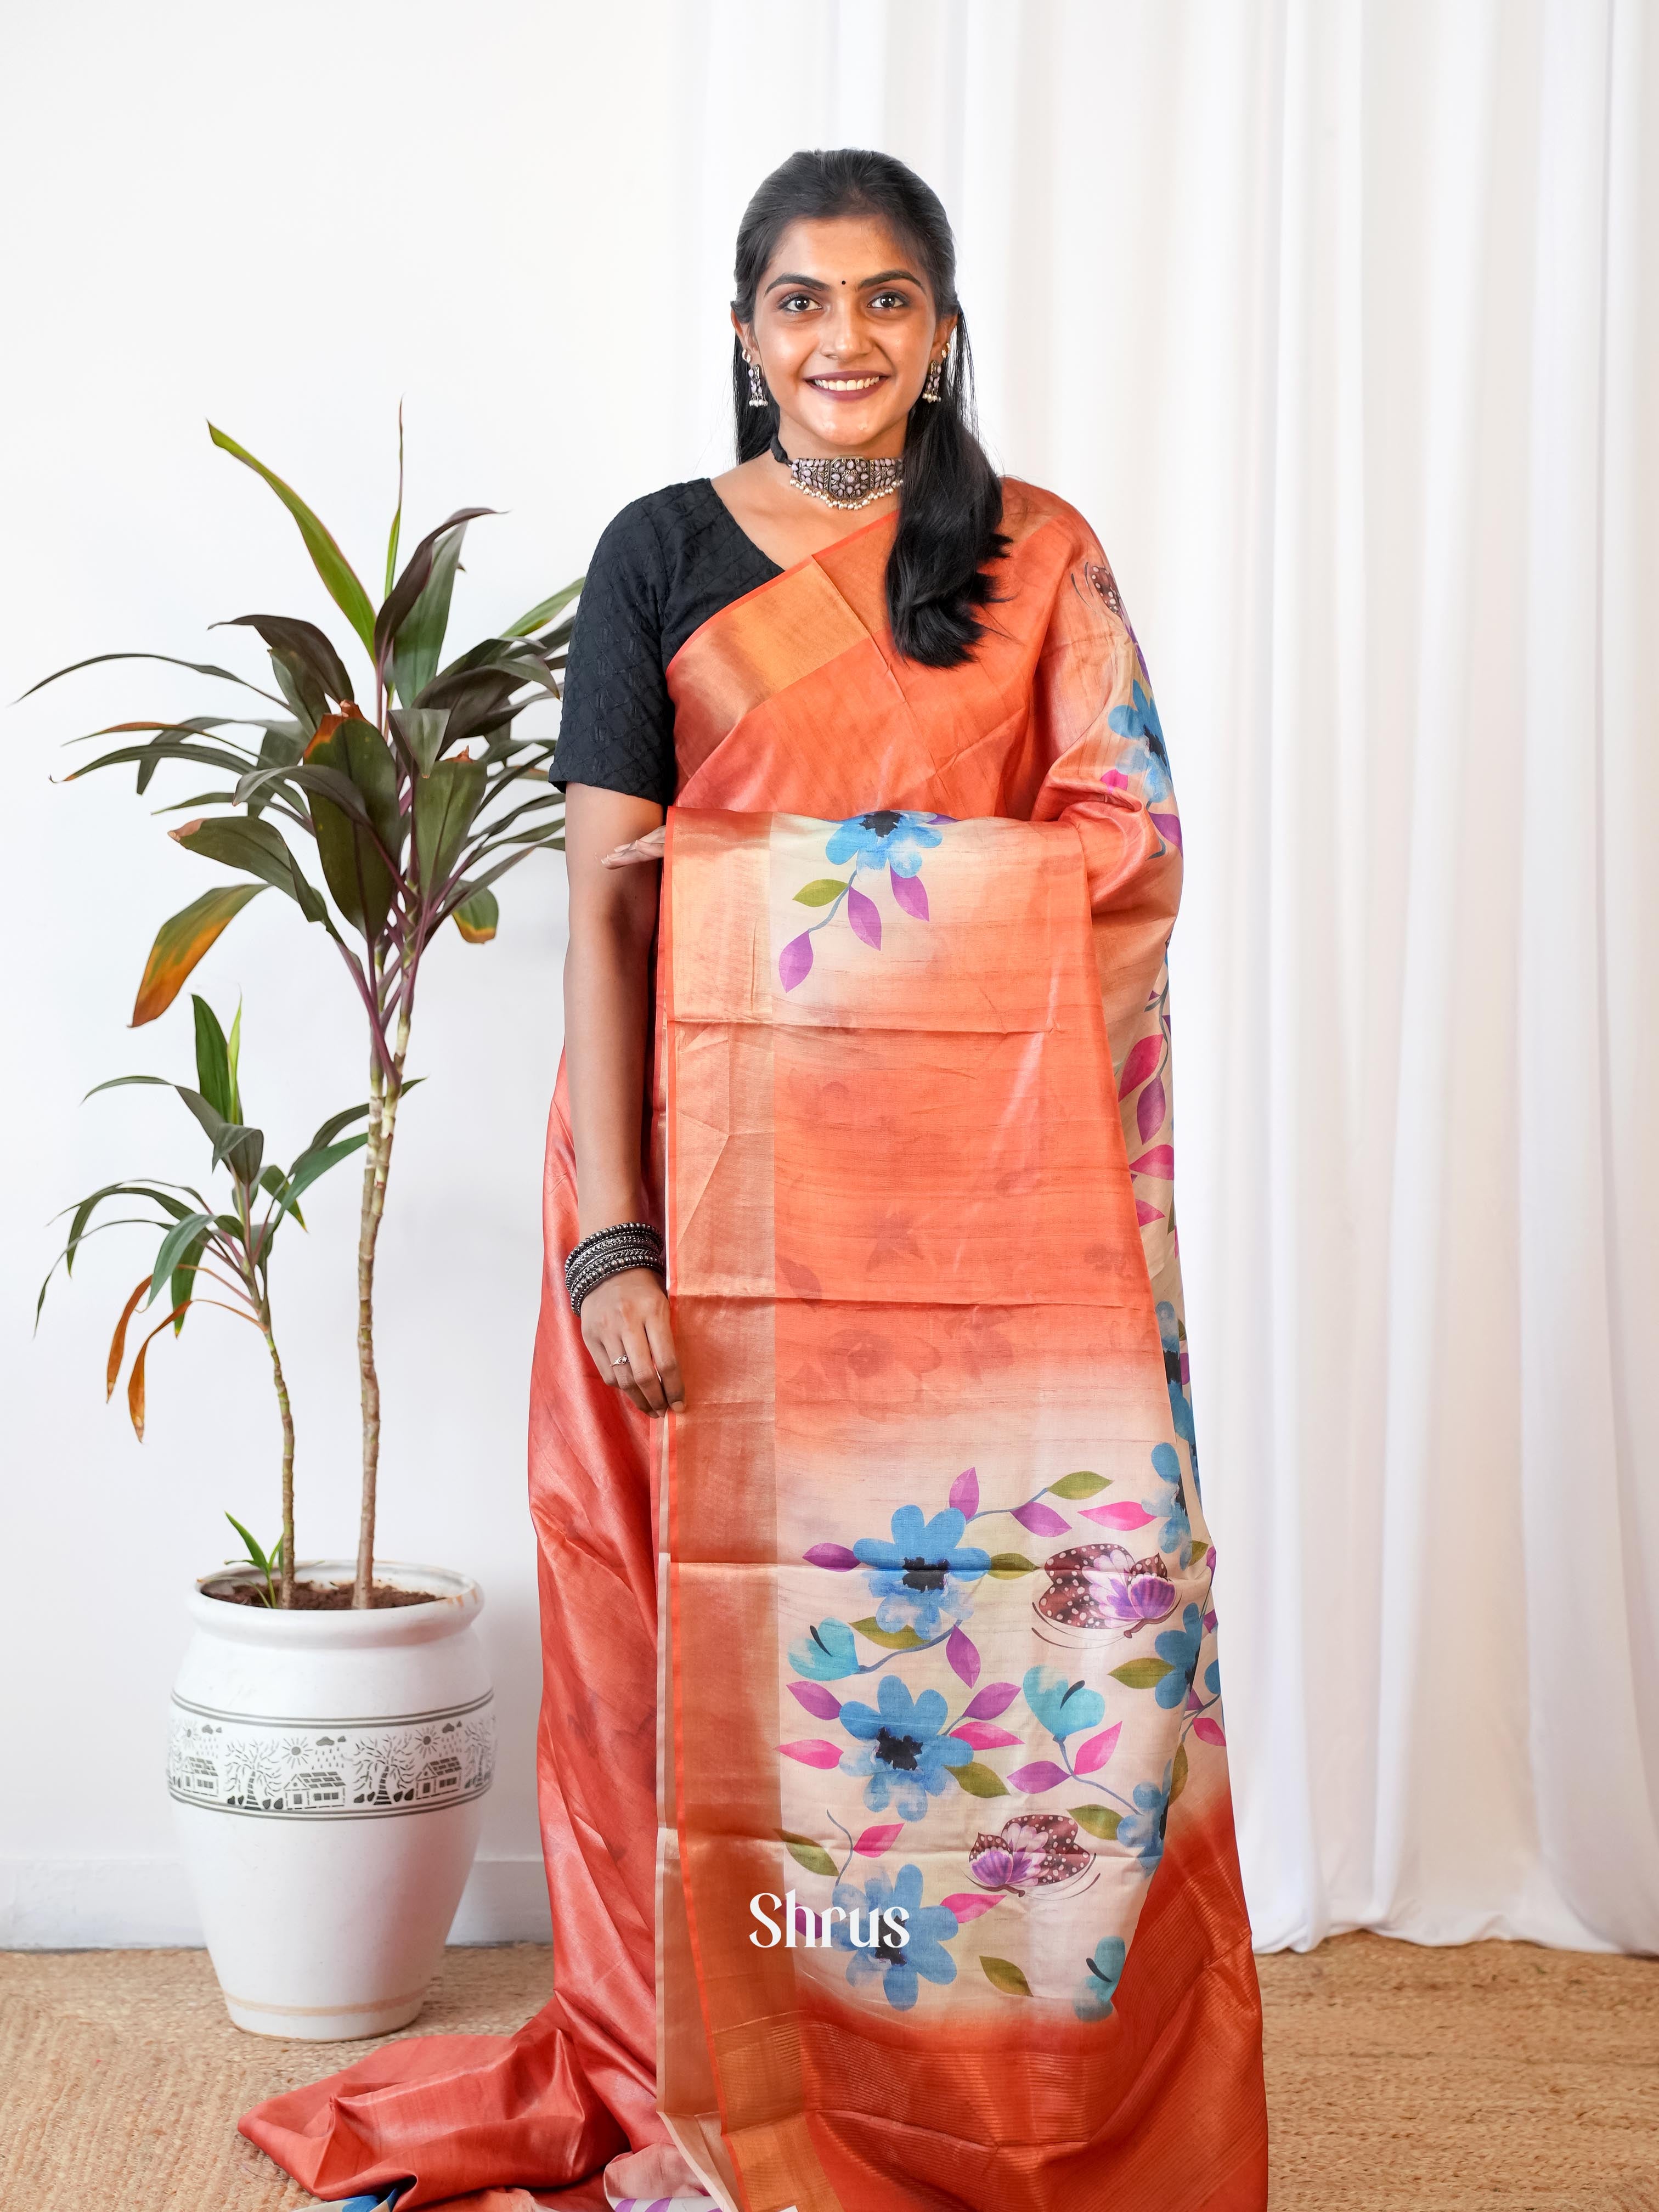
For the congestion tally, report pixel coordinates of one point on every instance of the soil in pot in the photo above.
(315, 1597)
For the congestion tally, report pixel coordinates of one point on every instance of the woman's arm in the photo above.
(613, 915)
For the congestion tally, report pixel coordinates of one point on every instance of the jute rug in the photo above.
(1497, 2078)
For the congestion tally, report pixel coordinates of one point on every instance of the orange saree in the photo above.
(883, 1776)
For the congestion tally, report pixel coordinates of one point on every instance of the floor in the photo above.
(1495, 2077)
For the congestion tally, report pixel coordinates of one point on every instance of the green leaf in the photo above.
(978, 1779)
(396, 531)
(181, 941)
(1003, 1974)
(1006, 1566)
(305, 655)
(335, 1123)
(890, 1639)
(306, 1169)
(196, 668)
(256, 1557)
(478, 917)
(274, 1182)
(813, 1856)
(1080, 1484)
(544, 610)
(438, 549)
(354, 865)
(213, 1059)
(1142, 1674)
(1178, 1778)
(338, 579)
(1099, 1820)
(177, 1242)
(822, 892)
(418, 646)
(232, 1141)
(234, 1057)
(183, 1288)
(421, 730)
(444, 803)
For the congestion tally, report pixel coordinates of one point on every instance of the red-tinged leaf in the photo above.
(1143, 1059)
(1146, 1214)
(964, 1655)
(795, 960)
(910, 893)
(985, 1735)
(822, 1705)
(874, 1841)
(1209, 1731)
(1042, 1774)
(995, 1698)
(1168, 826)
(1099, 1748)
(181, 941)
(836, 1557)
(119, 1344)
(1118, 1517)
(866, 917)
(813, 1752)
(969, 1904)
(1042, 1520)
(964, 1493)
(1149, 1110)
(1159, 1162)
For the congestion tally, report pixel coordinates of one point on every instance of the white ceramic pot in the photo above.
(328, 1771)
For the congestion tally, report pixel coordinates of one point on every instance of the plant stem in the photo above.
(286, 1599)
(384, 1094)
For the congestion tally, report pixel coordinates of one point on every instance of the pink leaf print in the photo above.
(984, 1736)
(969, 1904)
(836, 1557)
(964, 1655)
(964, 1493)
(1168, 827)
(874, 1841)
(812, 1751)
(795, 960)
(822, 1705)
(1042, 1520)
(1098, 1749)
(1143, 1059)
(1151, 1109)
(1144, 1212)
(995, 1698)
(1209, 1731)
(1159, 1162)
(866, 918)
(911, 893)
(1114, 780)
(1118, 1517)
(1043, 1774)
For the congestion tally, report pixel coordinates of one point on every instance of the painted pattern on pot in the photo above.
(312, 1770)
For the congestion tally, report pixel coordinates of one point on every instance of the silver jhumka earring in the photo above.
(758, 395)
(930, 391)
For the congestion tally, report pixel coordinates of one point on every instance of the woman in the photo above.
(883, 1778)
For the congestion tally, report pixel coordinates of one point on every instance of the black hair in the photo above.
(951, 504)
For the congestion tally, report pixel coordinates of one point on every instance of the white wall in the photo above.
(1338, 319)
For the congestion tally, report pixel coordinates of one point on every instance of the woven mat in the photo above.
(1495, 2078)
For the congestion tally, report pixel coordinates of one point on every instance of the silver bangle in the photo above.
(609, 1252)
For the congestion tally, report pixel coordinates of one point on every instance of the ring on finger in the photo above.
(620, 1360)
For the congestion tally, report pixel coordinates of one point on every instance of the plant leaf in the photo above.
(354, 865)
(256, 1557)
(438, 550)
(339, 580)
(421, 731)
(136, 1380)
(196, 668)
(306, 1169)
(477, 917)
(417, 647)
(177, 1241)
(317, 671)
(813, 1856)
(118, 1342)
(544, 610)
(1003, 1974)
(396, 531)
(332, 1128)
(212, 1059)
(445, 802)
(182, 1288)
(181, 941)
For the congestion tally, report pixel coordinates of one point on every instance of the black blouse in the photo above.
(664, 565)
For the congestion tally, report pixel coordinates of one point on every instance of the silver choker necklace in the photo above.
(845, 481)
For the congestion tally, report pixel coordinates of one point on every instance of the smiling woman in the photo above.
(860, 1247)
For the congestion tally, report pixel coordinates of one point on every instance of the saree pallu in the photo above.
(883, 1763)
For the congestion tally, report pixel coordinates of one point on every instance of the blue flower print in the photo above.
(1145, 755)
(1212, 1678)
(1142, 1830)
(1178, 1530)
(1181, 1406)
(1063, 1708)
(885, 839)
(1178, 1648)
(1094, 1998)
(903, 1967)
(906, 1759)
(925, 1576)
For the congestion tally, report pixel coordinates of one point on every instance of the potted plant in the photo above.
(330, 1750)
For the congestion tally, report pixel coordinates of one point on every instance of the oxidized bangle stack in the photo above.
(609, 1252)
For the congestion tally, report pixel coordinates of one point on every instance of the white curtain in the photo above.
(1338, 318)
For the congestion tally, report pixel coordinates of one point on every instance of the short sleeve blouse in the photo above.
(666, 563)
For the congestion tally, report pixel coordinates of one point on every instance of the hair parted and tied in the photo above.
(950, 496)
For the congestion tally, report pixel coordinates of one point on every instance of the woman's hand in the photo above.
(651, 846)
(625, 1327)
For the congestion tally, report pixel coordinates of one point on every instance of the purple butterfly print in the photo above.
(1032, 1851)
(1102, 1586)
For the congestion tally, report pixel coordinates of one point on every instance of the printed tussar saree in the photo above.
(883, 1768)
